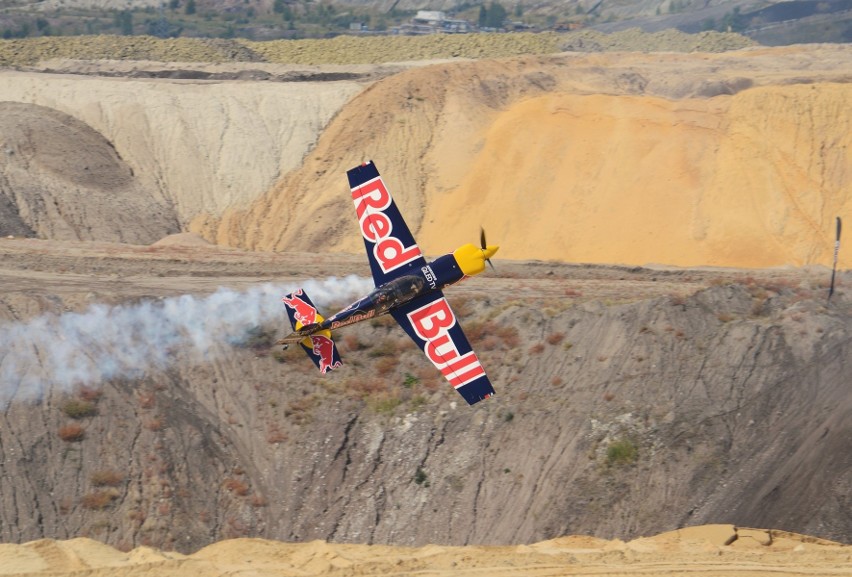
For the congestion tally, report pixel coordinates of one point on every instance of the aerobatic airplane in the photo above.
(407, 287)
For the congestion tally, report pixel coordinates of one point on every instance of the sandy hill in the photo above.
(194, 146)
(716, 549)
(732, 159)
(64, 180)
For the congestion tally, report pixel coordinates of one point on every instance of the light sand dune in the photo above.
(707, 550)
(740, 159)
(623, 179)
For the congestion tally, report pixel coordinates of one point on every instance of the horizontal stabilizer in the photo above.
(322, 350)
(316, 342)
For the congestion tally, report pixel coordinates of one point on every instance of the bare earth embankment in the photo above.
(585, 357)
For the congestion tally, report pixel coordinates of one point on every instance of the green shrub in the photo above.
(385, 404)
(418, 401)
(621, 452)
(79, 409)
(421, 478)
(410, 381)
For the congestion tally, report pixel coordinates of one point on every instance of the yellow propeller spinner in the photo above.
(472, 259)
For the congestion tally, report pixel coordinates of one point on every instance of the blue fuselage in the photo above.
(441, 272)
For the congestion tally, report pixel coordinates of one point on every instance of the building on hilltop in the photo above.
(429, 17)
(435, 22)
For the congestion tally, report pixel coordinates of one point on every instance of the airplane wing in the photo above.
(390, 246)
(430, 322)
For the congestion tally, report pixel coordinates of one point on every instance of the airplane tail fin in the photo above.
(305, 320)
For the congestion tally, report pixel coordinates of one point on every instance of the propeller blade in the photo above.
(484, 246)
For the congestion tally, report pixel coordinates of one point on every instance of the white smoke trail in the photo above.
(130, 341)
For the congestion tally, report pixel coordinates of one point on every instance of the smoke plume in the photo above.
(131, 341)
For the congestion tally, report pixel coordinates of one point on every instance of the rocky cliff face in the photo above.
(618, 414)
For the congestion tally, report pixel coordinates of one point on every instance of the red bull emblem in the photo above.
(353, 319)
(371, 199)
(324, 349)
(302, 311)
(432, 323)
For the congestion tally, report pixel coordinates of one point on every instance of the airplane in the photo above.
(407, 287)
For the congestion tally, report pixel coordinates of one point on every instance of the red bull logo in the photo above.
(324, 349)
(371, 200)
(356, 318)
(432, 323)
(302, 311)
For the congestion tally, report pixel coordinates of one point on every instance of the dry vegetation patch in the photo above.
(356, 49)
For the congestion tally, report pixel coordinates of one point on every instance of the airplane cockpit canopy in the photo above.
(398, 291)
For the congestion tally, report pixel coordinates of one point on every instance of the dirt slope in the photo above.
(630, 401)
(198, 146)
(734, 159)
(61, 179)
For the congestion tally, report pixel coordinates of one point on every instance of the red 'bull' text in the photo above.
(432, 324)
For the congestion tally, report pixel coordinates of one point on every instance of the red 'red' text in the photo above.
(371, 199)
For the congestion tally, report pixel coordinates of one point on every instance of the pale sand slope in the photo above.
(736, 159)
(204, 145)
(709, 550)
